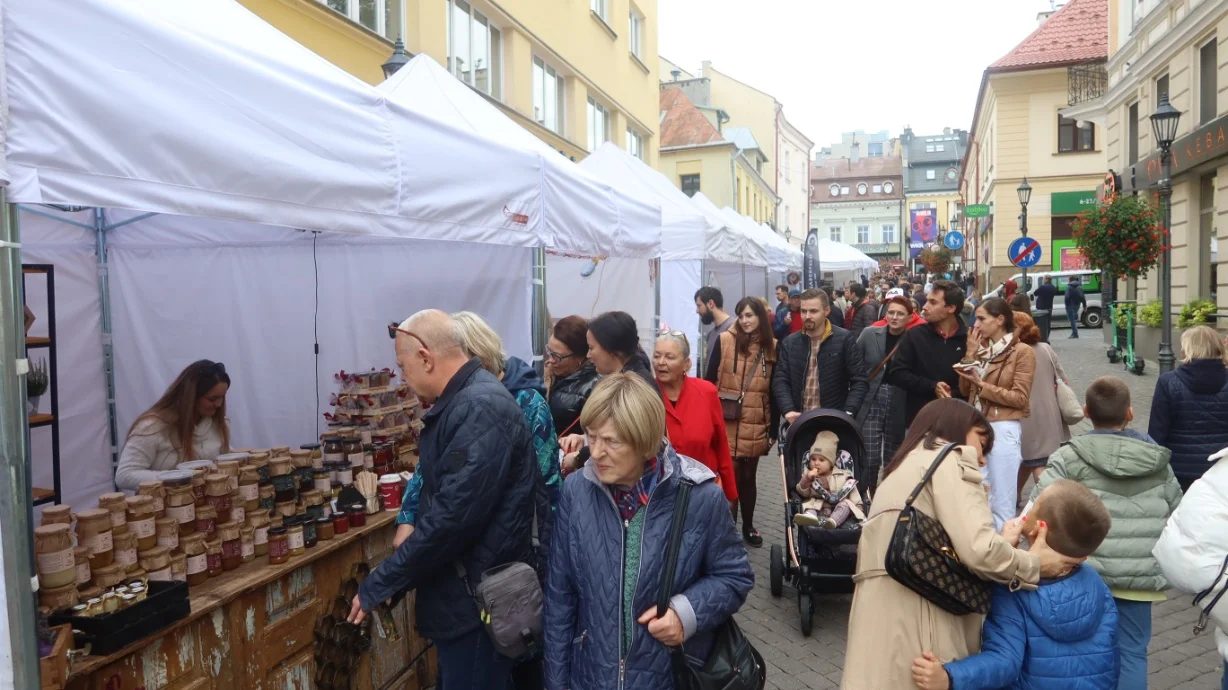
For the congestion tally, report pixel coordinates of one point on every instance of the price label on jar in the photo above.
(163, 575)
(143, 528)
(126, 557)
(57, 562)
(83, 573)
(100, 543)
(170, 541)
(238, 513)
(197, 564)
(249, 549)
(250, 492)
(356, 459)
(295, 540)
(182, 514)
(261, 535)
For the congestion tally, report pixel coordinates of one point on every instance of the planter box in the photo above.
(1147, 341)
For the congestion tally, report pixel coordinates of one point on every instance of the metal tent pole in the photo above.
(15, 507)
(541, 317)
(657, 296)
(702, 341)
(108, 352)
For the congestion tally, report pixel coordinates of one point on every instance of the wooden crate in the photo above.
(53, 668)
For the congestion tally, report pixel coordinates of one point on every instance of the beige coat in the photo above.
(748, 436)
(890, 625)
(839, 478)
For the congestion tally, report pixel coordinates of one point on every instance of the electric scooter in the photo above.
(1116, 353)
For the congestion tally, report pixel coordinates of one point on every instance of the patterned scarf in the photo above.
(630, 499)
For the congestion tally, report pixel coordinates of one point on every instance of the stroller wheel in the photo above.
(805, 606)
(776, 577)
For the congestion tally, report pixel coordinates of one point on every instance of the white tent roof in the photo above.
(753, 252)
(779, 258)
(687, 233)
(837, 256)
(575, 202)
(792, 256)
(203, 109)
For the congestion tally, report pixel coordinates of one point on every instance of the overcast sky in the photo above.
(841, 65)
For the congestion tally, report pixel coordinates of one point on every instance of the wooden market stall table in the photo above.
(253, 628)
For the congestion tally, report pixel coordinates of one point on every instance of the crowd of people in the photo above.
(576, 473)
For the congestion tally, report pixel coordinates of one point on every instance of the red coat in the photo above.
(914, 320)
(696, 429)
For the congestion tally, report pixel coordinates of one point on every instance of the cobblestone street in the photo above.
(1178, 658)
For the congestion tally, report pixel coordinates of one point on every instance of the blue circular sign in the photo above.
(953, 239)
(1024, 252)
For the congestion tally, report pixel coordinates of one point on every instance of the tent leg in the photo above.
(15, 508)
(541, 315)
(743, 280)
(108, 352)
(656, 296)
(767, 284)
(700, 364)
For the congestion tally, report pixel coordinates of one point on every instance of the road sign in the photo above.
(954, 239)
(976, 211)
(1024, 252)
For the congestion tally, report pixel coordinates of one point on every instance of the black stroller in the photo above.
(816, 560)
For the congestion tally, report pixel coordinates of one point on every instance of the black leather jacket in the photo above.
(567, 398)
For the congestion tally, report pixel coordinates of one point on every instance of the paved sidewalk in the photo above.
(1178, 659)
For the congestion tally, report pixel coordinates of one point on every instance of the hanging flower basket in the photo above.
(936, 260)
(1122, 236)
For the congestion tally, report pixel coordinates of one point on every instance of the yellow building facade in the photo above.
(575, 74)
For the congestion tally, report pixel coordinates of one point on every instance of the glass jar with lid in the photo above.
(334, 450)
(281, 474)
(213, 551)
(232, 546)
(279, 545)
(247, 544)
(154, 489)
(268, 497)
(249, 488)
(94, 531)
(114, 502)
(259, 523)
(353, 452)
(196, 553)
(141, 521)
(317, 455)
(217, 494)
(294, 535)
(206, 521)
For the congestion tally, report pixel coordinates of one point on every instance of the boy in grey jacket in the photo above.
(1131, 475)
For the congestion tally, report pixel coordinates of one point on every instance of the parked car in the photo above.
(1093, 316)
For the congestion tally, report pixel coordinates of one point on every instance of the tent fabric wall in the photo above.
(588, 287)
(679, 282)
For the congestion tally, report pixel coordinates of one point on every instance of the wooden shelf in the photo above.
(33, 269)
(41, 494)
(32, 341)
(37, 420)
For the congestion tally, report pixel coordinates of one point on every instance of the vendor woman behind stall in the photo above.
(187, 423)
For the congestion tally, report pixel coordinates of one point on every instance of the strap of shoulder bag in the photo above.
(681, 503)
(929, 474)
(886, 359)
(1205, 613)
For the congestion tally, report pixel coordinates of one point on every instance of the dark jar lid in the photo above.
(277, 530)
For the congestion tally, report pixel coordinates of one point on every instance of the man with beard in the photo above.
(710, 305)
(923, 366)
(821, 366)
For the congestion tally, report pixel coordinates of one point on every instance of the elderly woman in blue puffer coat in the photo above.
(608, 552)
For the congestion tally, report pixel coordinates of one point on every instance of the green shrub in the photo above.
(1196, 313)
(1120, 314)
(1151, 314)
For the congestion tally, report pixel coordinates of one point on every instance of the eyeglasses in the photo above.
(556, 357)
(394, 328)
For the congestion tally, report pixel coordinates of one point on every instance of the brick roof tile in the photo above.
(683, 124)
(1078, 32)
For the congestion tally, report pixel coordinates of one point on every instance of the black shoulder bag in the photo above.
(921, 558)
(733, 663)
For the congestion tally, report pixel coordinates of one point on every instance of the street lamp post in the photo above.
(1025, 195)
(1164, 126)
(397, 60)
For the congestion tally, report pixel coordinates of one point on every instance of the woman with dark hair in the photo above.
(1020, 303)
(997, 378)
(741, 366)
(569, 373)
(1043, 430)
(187, 423)
(890, 624)
(882, 415)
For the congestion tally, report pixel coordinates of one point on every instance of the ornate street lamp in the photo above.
(1025, 195)
(1164, 126)
(397, 60)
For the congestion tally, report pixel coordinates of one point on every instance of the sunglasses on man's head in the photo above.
(394, 328)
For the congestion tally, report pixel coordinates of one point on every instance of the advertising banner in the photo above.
(810, 260)
(1068, 257)
(924, 229)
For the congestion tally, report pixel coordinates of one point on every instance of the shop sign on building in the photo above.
(1071, 203)
(872, 249)
(1204, 144)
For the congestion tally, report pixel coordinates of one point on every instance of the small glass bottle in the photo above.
(279, 545)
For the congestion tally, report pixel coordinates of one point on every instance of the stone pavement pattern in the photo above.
(1178, 660)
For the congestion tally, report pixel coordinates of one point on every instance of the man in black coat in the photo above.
(476, 510)
(923, 365)
(865, 310)
(1044, 295)
(1076, 303)
(819, 366)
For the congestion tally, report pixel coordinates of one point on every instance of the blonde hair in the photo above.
(481, 341)
(633, 406)
(1202, 342)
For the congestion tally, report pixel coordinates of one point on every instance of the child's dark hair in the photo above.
(1108, 402)
(1077, 519)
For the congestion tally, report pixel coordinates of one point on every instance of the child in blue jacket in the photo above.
(1062, 636)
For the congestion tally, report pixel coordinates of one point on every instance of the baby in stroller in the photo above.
(830, 491)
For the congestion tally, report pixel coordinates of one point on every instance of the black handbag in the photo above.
(921, 558)
(733, 663)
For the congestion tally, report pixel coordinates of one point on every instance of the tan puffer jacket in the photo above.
(748, 437)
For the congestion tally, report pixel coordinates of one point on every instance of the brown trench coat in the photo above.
(890, 625)
(1008, 384)
(748, 436)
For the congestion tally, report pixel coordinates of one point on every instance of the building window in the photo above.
(889, 234)
(862, 188)
(689, 184)
(844, 189)
(874, 150)
(1071, 137)
(475, 48)
(1161, 88)
(1207, 67)
(635, 33)
(833, 233)
(381, 16)
(940, 147)
(635, 144)
(929, 148)
(834, 189)
(547, 96)
(599, 7)
(863, 234)
(931, 174)
(785, 168)
(888, 187)
(1132, 126)
(598, 125)
(878, 189)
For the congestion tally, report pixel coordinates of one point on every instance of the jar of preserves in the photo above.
(247, 543)
(241, 457)
(198, 486)
(125, 551)
(321, 481)
(324, 529)
(383, 458)
(357, 513)
(179, 567)
(261, 468)
(259, 523)
(308, 524)
(314, 502)
(213, 553)
(198, 468)
(114, 502)
(300, 460)
(249, 489)
(217, 494)
(232, 547)
(334, 450)
(53, 555)
(167, 529)
(353, 452)
(109, 576)
(94, 532)
(181, 506)
(341, 522)
(81, 558)
(141, 521)
(268, 497)
(56, 515)
(231, 469)
(284, 486)
(368, 456)
(317, 455)
(287, 508)
(345, 475)
(57, 598)
(206, 521)
(294, 536)
(238, 507)
(196, 567)
(154, 489)
(279, 545)
(157, 564)
(276, 451)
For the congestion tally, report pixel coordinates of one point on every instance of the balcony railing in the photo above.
(1086, 82)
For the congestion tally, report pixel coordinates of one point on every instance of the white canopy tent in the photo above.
(177, 177)
(580, 280)
(844, 262)
(735, 279)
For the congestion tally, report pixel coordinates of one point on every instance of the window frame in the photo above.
(634, 137)
(635, 32)
(834, 189)
(682, 183)
(835, 233)
(866, 228)
(593, 108)
(353, 12)
(884, 230)
(1132, 133)
(931, 174)
(1064, 124)
(548, 71)
(888, 187)
(877, 188)
(601, 8)
(493, 35)
(1208, 107)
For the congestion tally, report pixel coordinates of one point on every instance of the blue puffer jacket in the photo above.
(1189, 415)
(1062, 636)
(584, 583)
(479, 485)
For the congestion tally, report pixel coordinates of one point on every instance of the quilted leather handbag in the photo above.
(921, 558)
